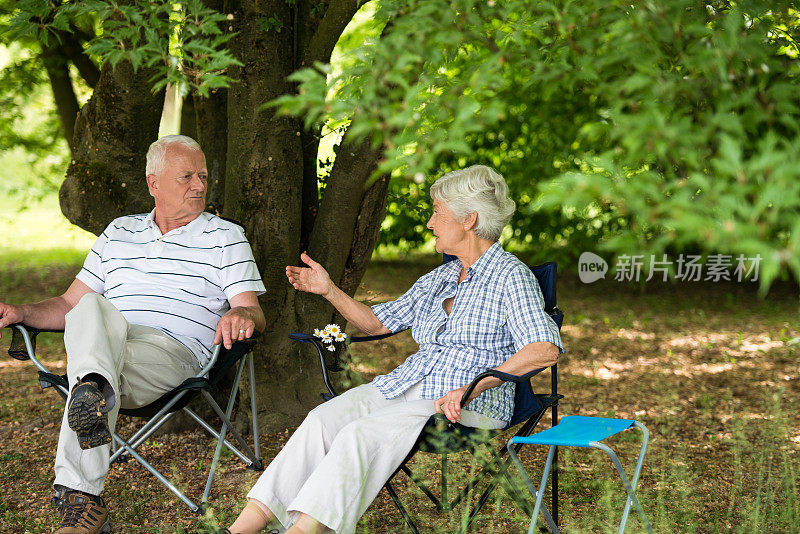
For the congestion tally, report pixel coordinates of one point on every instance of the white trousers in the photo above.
(140, 364)
(345, 450)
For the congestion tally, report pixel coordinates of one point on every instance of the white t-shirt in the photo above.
(179, 282)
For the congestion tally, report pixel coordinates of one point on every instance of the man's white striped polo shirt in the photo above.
(179, 282)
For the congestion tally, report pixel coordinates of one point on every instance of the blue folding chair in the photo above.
(443, 437)
(586, 432)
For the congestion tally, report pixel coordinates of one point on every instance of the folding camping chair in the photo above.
(23, 346)
(585, 432)
(442, 437)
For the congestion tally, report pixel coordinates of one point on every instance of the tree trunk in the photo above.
(263, 191)
(310, 187)
(106, 178)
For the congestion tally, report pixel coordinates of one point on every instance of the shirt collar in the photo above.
(195, 227)
(480, 267)
(484, 263)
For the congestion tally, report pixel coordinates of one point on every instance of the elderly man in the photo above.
(155, 293)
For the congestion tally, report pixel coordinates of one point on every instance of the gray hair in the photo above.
(156, 154)
(478, 189)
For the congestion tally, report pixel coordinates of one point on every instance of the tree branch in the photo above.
(63, 93)
(328, 30)
(333, 234)
(72, 49)
(368, 225)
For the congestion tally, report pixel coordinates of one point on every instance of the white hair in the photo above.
(156, 154)
(478, 189)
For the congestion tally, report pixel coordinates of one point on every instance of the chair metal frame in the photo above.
(553, 438)
(496, 469)
(163, 409)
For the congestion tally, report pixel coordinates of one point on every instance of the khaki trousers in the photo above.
(345, 450)
(140, 364)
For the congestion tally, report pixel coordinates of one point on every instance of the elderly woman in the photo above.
(484, 311)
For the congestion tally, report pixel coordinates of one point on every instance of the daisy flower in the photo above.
(340, 336)
(331, 348)
(333, 329)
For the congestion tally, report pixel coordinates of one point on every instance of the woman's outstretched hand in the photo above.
(312, 279)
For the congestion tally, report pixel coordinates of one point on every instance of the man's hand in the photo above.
(238, 324)
(312, 279)
(450, 404)
(9, 314)
(244, 317)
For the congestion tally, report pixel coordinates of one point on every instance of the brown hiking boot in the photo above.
(82, 513)
(87, 415)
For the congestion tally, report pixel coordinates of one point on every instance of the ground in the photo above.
(711, 369)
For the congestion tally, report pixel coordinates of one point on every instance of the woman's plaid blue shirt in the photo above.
(498, 309)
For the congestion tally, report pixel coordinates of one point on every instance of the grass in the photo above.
(38, 236)
(711, 369)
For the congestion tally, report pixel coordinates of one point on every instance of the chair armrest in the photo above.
(34, 329)
(309, 338)
(505, 377)
(17, 349)
(358, 339)
(355, 339)
(250, 341)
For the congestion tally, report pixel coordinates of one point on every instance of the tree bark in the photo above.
(211, 120)
(106, 178)
(188, 125)
(334, 227)
(310, 197)
(263, 189)
(322, 30)
(368, 226)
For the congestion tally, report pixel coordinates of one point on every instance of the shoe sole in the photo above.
(88, 417)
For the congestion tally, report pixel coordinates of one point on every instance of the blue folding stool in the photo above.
(587, 432)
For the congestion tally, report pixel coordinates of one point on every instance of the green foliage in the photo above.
(646, 128)
(183, 42)
(27, 119)
(24, 71)
(33, 154)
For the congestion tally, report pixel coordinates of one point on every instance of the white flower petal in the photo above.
(333, 329)
(331, 348)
